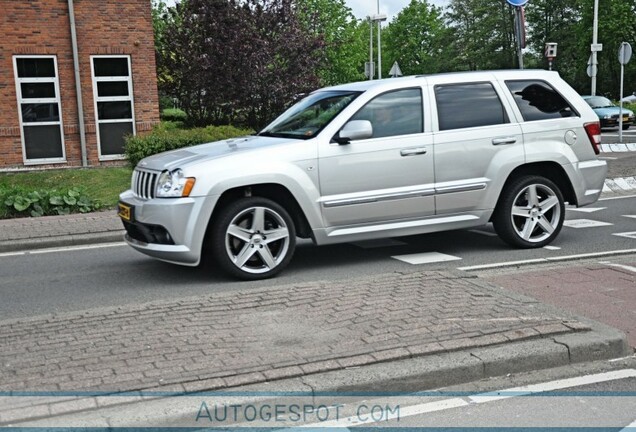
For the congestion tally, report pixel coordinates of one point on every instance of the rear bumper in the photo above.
(591, 175)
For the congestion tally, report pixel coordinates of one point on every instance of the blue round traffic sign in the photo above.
(517, 2)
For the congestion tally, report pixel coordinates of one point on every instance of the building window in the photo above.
(114, 107)
(38, 91)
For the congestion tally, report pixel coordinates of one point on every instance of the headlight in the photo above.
(607, 116)
(174, 184)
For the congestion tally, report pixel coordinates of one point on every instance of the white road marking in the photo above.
(457, 402)
(631, 235)
(584, 223)
(380, 243)
(546, 260)
(425, 258)
(73, 248)
(630, 216)
(608, 158)
(8, 254)
(617, 197)
(551, 247)
(586, 209)
(622, 266)
(622, 183)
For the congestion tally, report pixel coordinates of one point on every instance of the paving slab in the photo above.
(318, 332)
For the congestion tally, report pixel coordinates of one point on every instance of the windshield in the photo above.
(309, 116)
(599, 102)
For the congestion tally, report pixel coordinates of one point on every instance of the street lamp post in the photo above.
(377, 18)
(595, 49)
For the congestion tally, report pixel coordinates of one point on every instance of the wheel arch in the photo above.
(550, 170)
(273, 191)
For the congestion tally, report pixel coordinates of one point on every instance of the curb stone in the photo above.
(402, 376)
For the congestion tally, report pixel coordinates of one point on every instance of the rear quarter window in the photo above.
(468, 105)
(538, 100)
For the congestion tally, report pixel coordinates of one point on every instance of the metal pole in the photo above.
(519, 35)
(379, 47)
(594, 43)
(78, 84)
(620, 110)
(379, 54)
(370, 49)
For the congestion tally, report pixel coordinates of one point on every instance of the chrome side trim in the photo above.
(401, 225)
(379, 198)
(460, 188)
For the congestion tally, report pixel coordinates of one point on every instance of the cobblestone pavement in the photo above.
(255, 336)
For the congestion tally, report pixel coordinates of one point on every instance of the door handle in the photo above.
(413, 151)
(502, 141)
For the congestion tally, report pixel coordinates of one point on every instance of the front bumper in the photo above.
(170, 229)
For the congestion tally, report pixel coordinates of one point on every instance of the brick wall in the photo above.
(34, 27)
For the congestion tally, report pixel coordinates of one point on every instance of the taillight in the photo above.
(593, 131)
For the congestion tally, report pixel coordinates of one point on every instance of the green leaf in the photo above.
(75, 192)
(56, 200)
(70, 200)
(63, 210)
(21, 203)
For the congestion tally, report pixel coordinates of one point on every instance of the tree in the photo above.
(416, 39)
(483, 34)
(344, 51)
(236, 61)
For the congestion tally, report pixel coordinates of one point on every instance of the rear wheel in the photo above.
(253, 238)
(530, 212)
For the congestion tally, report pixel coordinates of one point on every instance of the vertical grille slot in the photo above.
(144, 183)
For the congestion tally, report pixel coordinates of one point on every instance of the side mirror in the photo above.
(354, 130)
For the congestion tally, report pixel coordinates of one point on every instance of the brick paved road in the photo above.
(247, 337)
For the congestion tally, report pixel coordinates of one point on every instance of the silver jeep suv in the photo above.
(375, 159)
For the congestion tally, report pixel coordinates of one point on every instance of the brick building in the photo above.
(40, 123)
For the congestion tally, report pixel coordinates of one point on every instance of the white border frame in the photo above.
(130, 98)
(57, 99)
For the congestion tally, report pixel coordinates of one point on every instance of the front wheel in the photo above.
(530, 212)
(253, 238)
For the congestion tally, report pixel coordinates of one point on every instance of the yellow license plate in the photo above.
(124, 212)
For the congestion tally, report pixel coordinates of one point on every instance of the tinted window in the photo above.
(468, 105)
(538, 101)
(395, 113)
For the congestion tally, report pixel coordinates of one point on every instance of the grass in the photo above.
(102, 184)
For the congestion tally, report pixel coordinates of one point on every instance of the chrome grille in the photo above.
(144, 183)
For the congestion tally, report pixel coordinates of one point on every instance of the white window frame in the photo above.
(96, 99)
(57, 99)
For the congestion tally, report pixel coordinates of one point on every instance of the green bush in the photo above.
(167, 137)
(174, 115)
(18, 201)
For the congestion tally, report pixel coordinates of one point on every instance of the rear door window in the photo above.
(468, 105)
(537, 100)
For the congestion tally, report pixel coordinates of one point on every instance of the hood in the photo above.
(180, 158)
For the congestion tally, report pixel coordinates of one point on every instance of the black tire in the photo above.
(240, 243)
(538, 216)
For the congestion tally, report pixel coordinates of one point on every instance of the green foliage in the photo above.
(166, 137)
(16, 201)
(174, 115)
(416, 39)
(345, 39)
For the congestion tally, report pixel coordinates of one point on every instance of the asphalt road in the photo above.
(112, 275)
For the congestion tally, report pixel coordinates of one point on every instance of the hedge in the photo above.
(167, 136)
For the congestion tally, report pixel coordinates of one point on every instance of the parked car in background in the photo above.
(630, 99)
(375, 159)
(608, 113)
